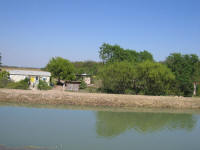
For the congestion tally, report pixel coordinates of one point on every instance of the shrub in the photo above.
(43, 85)
(83, 85)
(3, 82)
(117, 77)
(154, 78)
(23, 84)
(4, 79)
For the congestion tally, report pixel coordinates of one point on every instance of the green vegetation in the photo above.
(4, 79)
(186, 69)
(23, 84)
(43, 85)
(61, 68)
(128, 71)
(0, 60)
(83, 85)
(154, 79)
(117, 77)
(89, 67)
(114, 53)
(6, 83)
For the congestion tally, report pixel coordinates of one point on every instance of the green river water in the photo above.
(24, 128)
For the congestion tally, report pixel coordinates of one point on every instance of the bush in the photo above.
(154, 78)
(43, 85)
(117, 77)
(3, 82)
(23, 84)
(4, 79)
(83, 85)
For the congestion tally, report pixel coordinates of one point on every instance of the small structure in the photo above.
(34, 76)
(72, 85)
(85, 77)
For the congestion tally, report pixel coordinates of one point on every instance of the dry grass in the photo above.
(92, 99)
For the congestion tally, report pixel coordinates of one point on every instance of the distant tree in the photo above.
(117, 77)
(186, 70)
(114, 53)
(0, 60)
(154, 78)
(89, 67)
(61, 68)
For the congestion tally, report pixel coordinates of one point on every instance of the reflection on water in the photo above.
(64, 128)
(114, 123)
(3, 147)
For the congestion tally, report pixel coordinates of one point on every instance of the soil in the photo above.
(57, 97)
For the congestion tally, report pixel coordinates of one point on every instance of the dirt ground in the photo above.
(93, 99)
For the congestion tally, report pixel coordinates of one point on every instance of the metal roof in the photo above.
(29, 73)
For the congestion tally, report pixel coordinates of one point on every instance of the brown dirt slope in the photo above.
(91, 99)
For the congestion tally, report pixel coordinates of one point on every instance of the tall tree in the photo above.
(154, 78)
(114, 53)
(0, 60)
(61, 68)
(186, 70)
(117, 77)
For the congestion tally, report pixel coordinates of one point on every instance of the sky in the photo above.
(34, 31)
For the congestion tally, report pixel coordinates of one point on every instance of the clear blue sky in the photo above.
(33, 31)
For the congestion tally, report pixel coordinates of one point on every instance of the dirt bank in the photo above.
(91, 99)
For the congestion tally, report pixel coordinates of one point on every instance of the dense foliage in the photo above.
(83, 85)
(186, 69)
(43, 85)
(154, 79)
(114, 53)
(88, 67)
(4, 79)
(117, 77)
(61, 68)
(23, 84)
(0, 59)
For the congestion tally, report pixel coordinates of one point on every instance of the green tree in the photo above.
(154, 78)
(0, 60)
(89, 67)
(114, 53)
(186, 70)
(117, 77)
(61, 68)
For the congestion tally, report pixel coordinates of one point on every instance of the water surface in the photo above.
(52, 128)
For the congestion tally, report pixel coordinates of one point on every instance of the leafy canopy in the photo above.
(154, 78)
(61, 68)
(186, 69)
(114, 53)
(117, 77)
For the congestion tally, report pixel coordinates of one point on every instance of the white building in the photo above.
(85, 77)
(34, 76)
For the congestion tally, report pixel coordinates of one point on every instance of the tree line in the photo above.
(128, 71)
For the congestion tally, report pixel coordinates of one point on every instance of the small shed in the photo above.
(73, 85)
(85, 77)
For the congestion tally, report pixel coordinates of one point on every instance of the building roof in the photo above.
(29, 73)
(84, 74)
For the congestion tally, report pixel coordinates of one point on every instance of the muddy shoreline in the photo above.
(53, 97)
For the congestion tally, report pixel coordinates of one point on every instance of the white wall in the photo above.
(17, 78)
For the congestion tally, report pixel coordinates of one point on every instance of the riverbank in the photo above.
(54, 97)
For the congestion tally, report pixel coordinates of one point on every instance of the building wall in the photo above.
(34, 80)
(87, 80)
(17, 78)
(72, 87)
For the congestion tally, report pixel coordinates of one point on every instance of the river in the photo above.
(24, 128)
